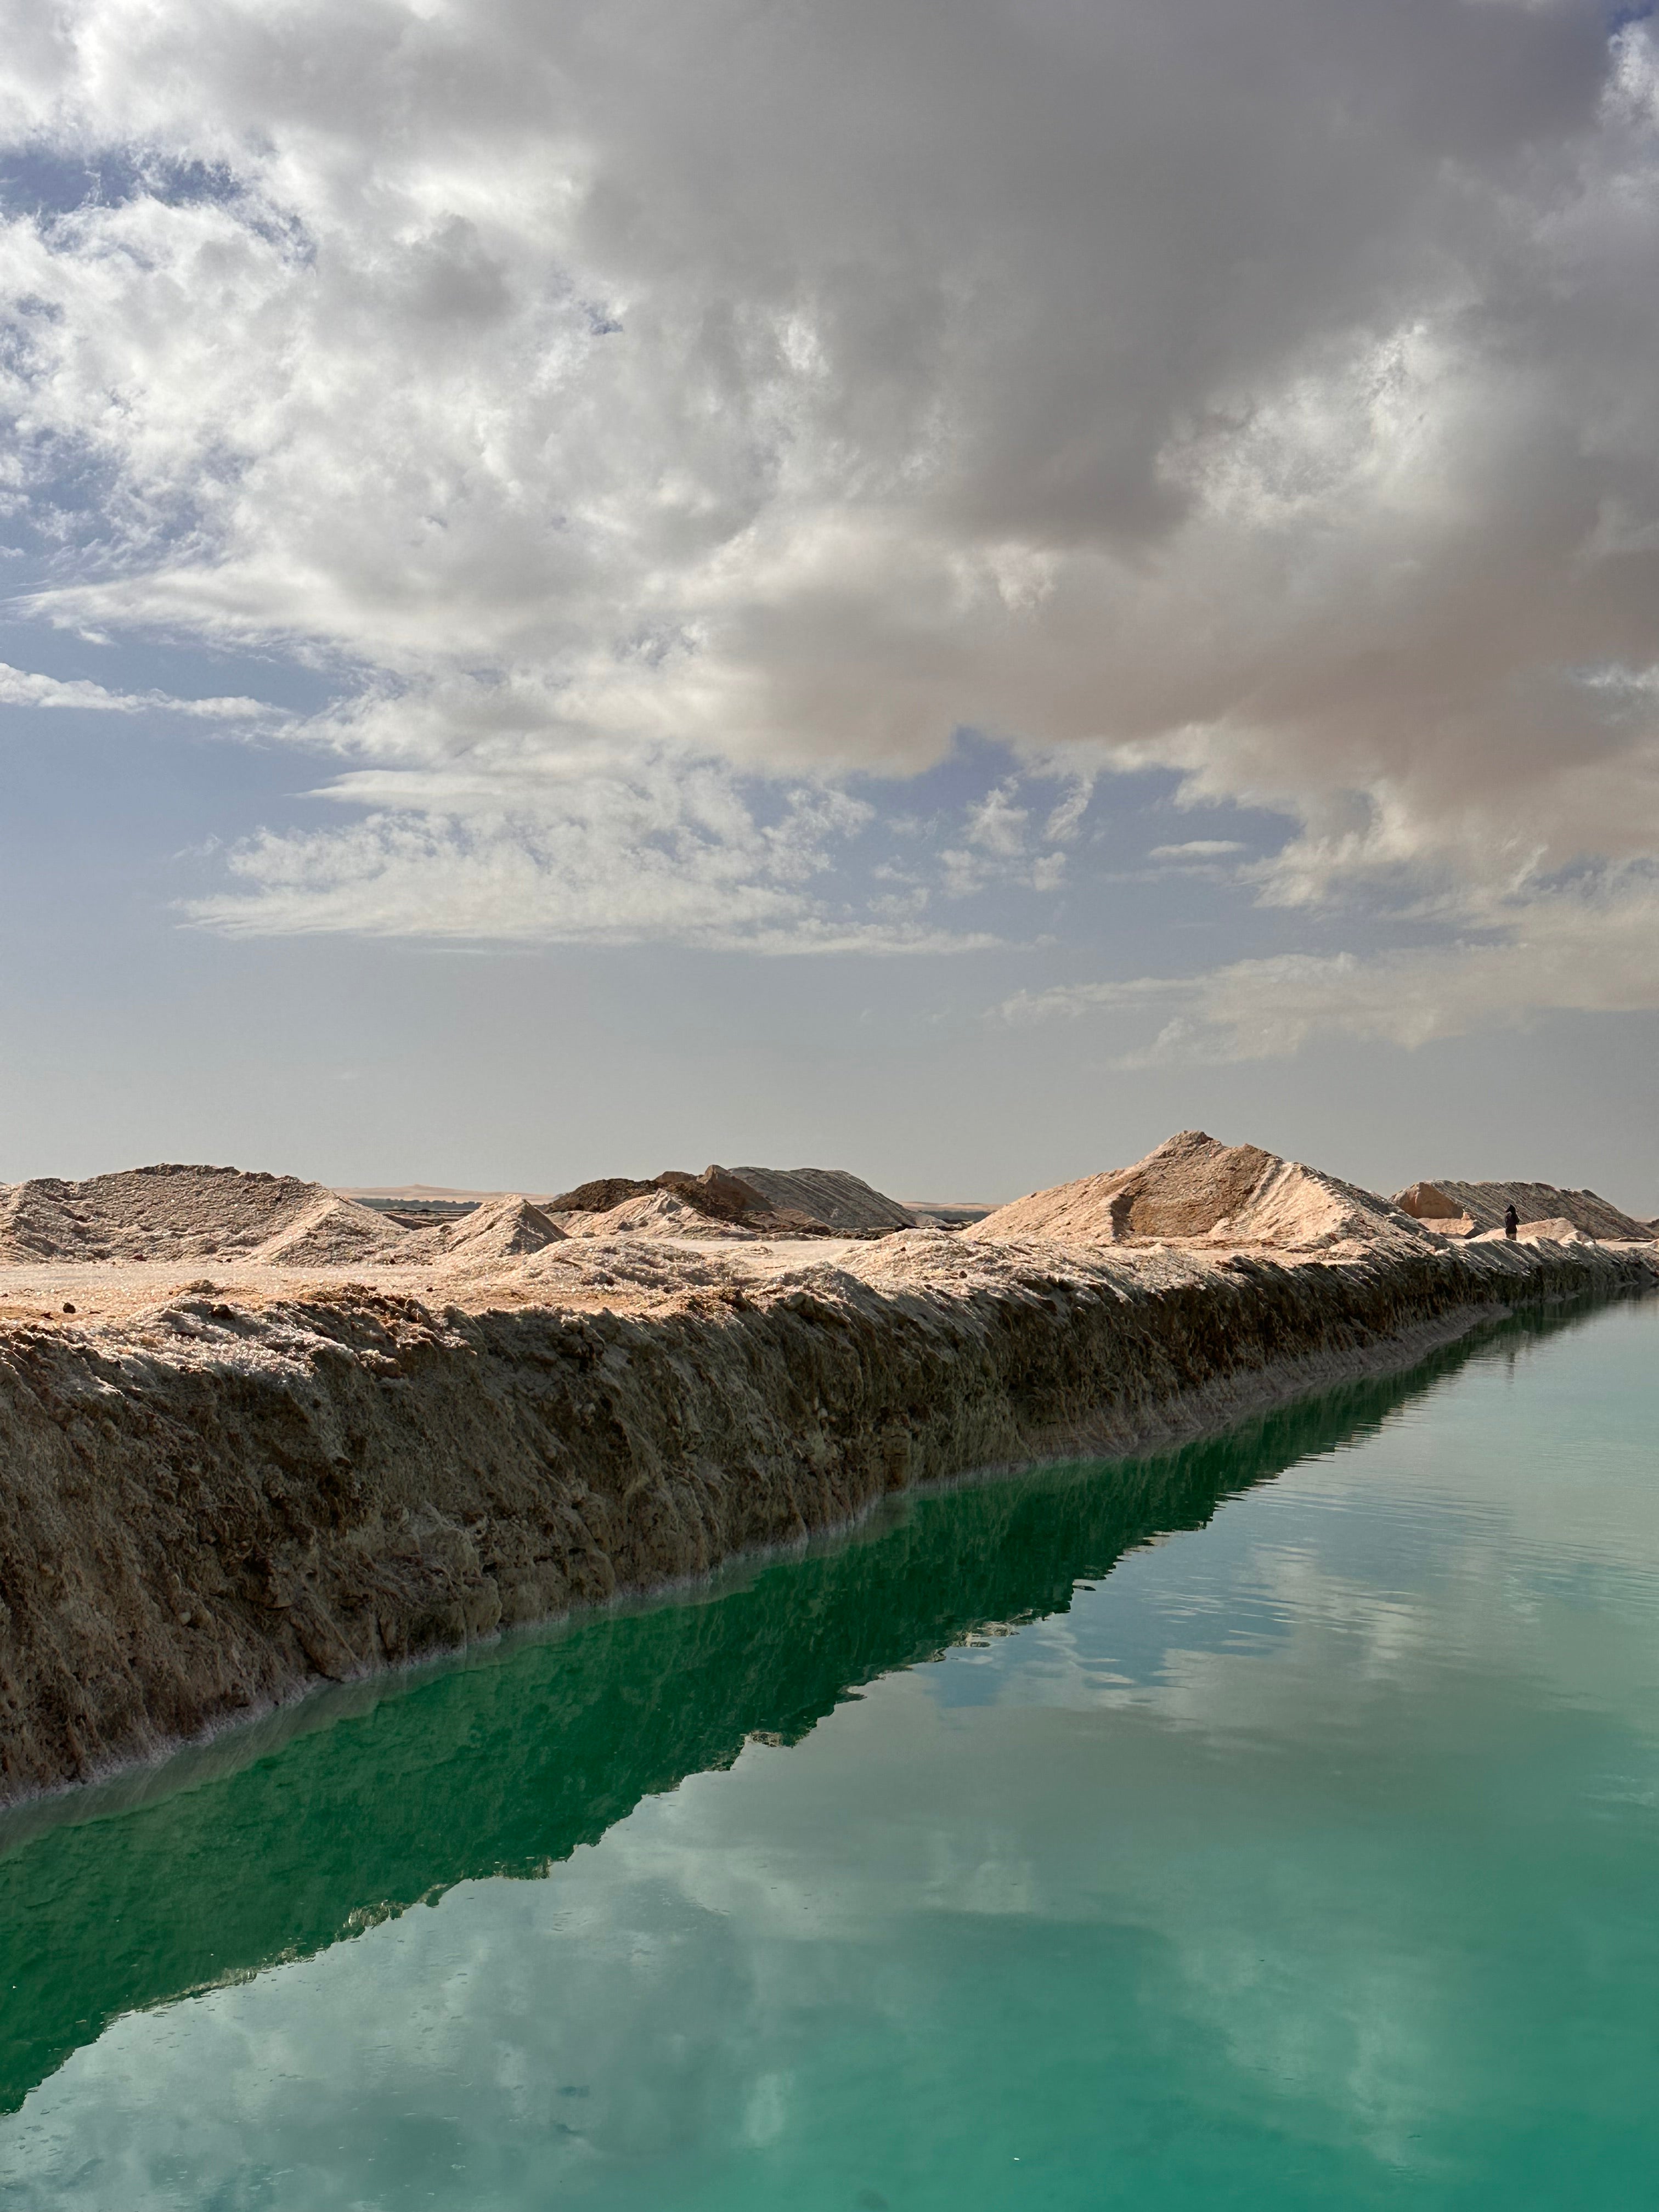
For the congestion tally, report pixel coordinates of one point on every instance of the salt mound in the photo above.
(716, 1192)
(1562, 1232)
(163, 1212)
(333, 1232)
(1484, 1202)
(716, 1203)
(832, 1195)
(656, 1214)
(1192, 1187)
(501, 1229)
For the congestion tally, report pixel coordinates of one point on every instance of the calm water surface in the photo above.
(1273, 1824)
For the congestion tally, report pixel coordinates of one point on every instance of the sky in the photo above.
(946, 589)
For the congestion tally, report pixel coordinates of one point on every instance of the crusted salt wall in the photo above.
(207, 1505)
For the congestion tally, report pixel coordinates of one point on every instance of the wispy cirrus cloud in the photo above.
(1198, 848)
(21, 687)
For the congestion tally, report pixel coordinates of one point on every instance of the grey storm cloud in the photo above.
(1257, 389)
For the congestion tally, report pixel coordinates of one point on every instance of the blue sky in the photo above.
(943, 591)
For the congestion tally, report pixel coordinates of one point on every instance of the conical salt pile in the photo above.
(334, 1232)
(501, 1229)
(1191, 1188)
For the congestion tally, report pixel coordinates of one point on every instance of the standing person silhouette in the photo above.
(1512, 1222)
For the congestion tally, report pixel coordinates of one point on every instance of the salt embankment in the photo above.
(214, 1493)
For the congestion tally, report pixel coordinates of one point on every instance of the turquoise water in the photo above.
(1271, 1824)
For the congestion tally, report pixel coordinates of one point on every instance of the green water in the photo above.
(1271, 1824)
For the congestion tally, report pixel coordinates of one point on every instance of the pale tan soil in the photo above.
(210, 1499)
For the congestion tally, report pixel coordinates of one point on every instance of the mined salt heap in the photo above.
(168, 1214)
(719, 1204)
(1482, 1204)
(500, 1229)
(172, 1213)
(1193, 1189)
(841, 1201)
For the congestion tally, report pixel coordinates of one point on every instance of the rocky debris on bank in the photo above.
(1444, 1203)
(1193, 1189)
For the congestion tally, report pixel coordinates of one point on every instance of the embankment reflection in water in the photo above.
(378, 1798)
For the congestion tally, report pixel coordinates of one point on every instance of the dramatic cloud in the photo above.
(1260, 390)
